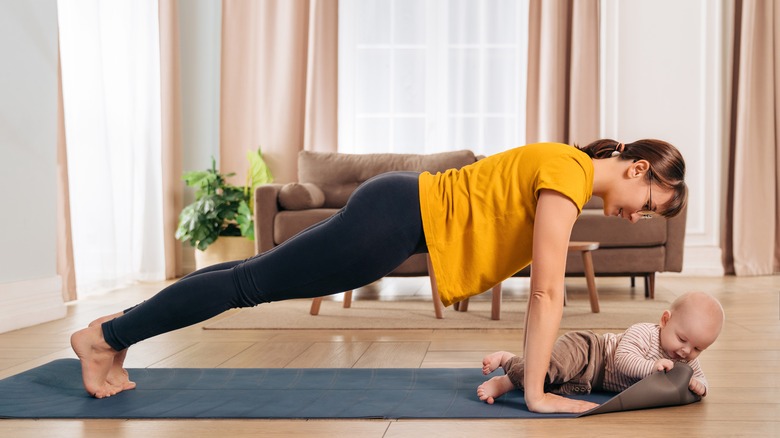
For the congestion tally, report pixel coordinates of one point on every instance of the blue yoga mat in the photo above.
(54, 390)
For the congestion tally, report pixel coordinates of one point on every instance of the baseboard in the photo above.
(30, 302)
(704, 261)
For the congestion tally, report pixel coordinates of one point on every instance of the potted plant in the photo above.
(219, 224)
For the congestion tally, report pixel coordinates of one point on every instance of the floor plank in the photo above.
(393, 355)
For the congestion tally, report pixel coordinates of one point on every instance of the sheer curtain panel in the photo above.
(110, 54)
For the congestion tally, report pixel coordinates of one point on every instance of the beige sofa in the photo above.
(629, 250)
(626, 249)
(325, 181)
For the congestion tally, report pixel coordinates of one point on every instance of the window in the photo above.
(433, 75)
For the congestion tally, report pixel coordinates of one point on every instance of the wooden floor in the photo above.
(743, 366)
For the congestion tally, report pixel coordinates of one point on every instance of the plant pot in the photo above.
(224, 249)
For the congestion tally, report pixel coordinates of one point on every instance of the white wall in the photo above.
(663, 65)
(200, 30)
(29, 285)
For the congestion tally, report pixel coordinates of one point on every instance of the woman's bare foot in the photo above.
(96, 359)
(103, 319)
(494, 360)
(494, 388)
(118, 375)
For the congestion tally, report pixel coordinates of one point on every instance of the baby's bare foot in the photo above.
(494, 388)
(494, 360)
(96, 359)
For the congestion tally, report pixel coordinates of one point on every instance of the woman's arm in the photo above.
(555, 216)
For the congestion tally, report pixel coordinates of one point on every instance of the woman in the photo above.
(480, 224)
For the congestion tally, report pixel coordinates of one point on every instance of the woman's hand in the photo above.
(551, 403)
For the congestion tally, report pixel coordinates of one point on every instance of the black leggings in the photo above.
(378, 229)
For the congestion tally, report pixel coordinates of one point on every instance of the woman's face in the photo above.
(635, 197)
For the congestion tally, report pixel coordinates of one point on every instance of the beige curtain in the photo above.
(170, 95)
(65, 267)
(563, 71)
(751, 241)
(279, 82)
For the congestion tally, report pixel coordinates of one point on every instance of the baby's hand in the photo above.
(663, 365)
(697, 386)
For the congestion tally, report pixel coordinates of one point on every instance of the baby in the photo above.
(583, 361)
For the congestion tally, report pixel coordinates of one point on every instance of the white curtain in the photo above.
(110, 55)
(433, 75)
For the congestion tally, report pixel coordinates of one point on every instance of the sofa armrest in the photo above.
(675, 241)
(266, 207)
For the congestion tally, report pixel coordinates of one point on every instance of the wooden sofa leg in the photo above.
(317, 302)
(650, 285)
(495, 310)
(348, 299)
(315, 306)
(590, 277)
(438, 307)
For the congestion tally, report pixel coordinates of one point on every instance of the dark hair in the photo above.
(667, 166)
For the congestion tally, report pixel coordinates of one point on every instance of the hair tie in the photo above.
(618, 149)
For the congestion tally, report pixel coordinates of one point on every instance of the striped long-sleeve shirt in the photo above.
(630, 356)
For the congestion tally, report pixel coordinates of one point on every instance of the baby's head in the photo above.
(691, 325)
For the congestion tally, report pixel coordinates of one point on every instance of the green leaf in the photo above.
(259, 172)
(245, 221)
(198, 178)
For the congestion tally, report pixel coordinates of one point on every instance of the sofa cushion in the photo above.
(615, 261)
(613, 232)
(301, 196)
(290, 223)
(620, 261)
(338, 175)
(595, 203)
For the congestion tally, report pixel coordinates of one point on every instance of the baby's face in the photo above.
(684, 337)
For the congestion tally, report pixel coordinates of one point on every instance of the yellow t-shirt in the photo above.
(479, 220)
